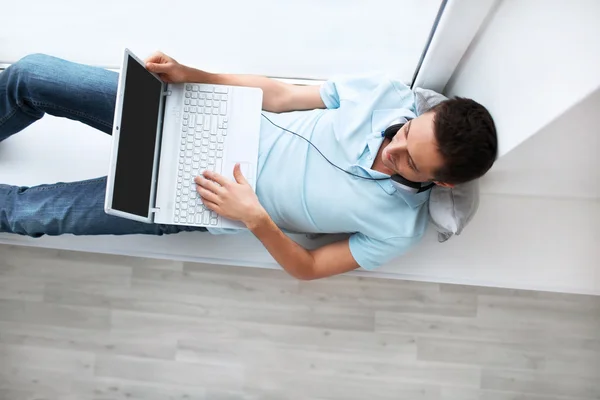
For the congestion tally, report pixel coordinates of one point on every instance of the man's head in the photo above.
(452, 143)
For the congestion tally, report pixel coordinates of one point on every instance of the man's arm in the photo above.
(236, 200)
(277, 96)
(331, 259)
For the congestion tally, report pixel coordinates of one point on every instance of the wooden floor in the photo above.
(82, 326)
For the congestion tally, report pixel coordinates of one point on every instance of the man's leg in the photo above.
(40, 84)
(76, 207)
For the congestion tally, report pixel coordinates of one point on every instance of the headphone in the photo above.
(398, 181)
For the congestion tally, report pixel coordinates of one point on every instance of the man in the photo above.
(297, 189)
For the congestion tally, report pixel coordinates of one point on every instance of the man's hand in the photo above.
(169, 70)
(233, 200)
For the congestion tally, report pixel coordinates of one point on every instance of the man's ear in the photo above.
(444, 184)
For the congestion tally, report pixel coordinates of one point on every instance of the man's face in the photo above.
(413, 152)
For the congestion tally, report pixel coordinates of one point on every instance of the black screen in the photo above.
(137, 140)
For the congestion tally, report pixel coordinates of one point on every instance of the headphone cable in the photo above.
(323, 155)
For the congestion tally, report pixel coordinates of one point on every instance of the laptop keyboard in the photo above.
(203, 137)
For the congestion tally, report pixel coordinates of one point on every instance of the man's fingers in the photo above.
(157, 56)
(207, 195)
(208, 184)
(237, 174)
(213, 176)
(211, 206)
(157, 67)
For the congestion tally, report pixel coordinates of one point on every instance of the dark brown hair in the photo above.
(467, 141)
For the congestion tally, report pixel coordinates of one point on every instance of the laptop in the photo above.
(164, 135)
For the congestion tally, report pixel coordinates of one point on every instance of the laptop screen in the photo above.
(137, 141)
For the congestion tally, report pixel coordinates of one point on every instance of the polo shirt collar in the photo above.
(381, 120)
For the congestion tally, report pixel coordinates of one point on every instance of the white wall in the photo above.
(531, 62)
(561, 160)
(535, 65)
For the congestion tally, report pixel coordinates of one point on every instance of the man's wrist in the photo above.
(199, 76)
(259, 219)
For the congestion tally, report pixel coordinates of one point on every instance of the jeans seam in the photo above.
(62, 185)
(7, 117)
(78, 113)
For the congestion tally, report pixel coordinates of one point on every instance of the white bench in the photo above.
(490, 252)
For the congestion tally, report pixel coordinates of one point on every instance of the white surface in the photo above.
(515, 241)
(295, 39)
(533, 61)
(561, 160)
(457, 27)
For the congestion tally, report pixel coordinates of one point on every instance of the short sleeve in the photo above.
(351, 88)
(371, 253)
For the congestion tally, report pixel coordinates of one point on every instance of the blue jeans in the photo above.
(40, 84)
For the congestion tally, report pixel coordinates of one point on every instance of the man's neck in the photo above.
(378, 164)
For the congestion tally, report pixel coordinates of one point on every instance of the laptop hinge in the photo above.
(166, 93)
(155, 210)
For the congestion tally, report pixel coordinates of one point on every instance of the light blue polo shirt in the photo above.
(302, 192)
